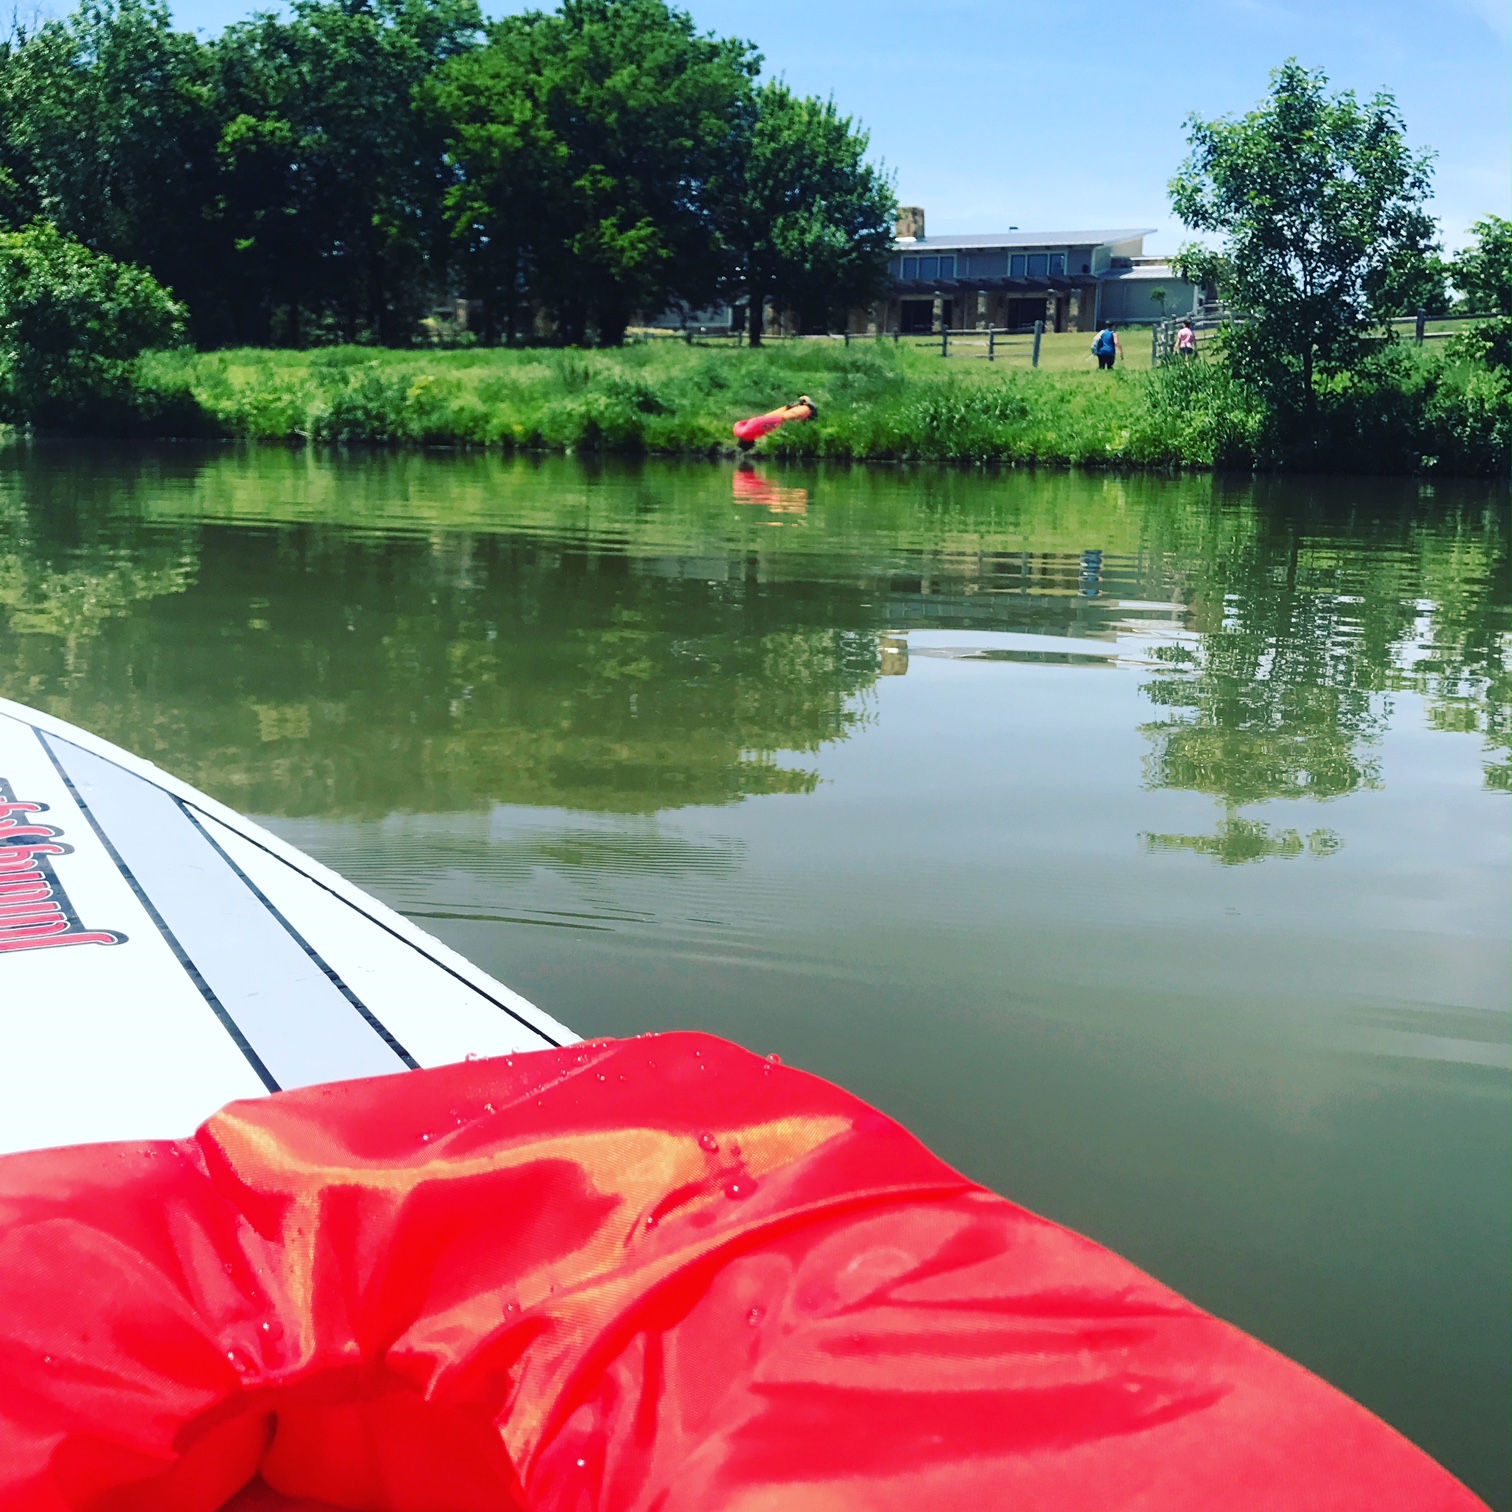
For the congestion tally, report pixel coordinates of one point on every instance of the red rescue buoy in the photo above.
(660, 1273)
(749, 432)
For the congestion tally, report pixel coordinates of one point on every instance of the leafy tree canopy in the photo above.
(584, 142)
(329, 172)
(1482, 273)
(331, 179)
(807, 219)
(1319, 204)
(109, 131)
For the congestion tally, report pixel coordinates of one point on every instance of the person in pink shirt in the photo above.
(1186, 339)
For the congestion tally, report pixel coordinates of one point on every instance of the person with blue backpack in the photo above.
(1107, 348)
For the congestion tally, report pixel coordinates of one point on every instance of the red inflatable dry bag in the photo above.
(661, 1275)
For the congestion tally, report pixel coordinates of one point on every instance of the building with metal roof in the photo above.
(1008, 280)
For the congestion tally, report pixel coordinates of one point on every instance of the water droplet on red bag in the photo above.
(709, 1143)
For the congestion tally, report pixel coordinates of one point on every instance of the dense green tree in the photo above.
(326, 172)
(1482, 275)
(109, 131)
(71, 321)
(1319, 202)
(585, 141)
(331, 177)
(808, 221)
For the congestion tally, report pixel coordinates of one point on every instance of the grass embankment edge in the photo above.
(877, 402)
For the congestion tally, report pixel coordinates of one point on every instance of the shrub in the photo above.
(72, 322)
(1198, 412)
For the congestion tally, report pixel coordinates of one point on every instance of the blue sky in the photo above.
(1058, 116)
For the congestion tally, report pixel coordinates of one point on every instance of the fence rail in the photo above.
(990, 343)
(994, 343)
(1207, 325)
(1426, 327)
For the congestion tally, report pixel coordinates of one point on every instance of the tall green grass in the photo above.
(876, 401)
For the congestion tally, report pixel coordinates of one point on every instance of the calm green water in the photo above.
(1141, 844)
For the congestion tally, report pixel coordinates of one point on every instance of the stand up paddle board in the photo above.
(161, 956)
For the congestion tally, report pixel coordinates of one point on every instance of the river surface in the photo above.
(1140, 843)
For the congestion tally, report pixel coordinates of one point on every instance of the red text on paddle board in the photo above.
(35, 913)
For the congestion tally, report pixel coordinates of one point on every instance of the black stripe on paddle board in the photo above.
(378, 1028)
(451, 971)
(301, 1026)
(228, 1023)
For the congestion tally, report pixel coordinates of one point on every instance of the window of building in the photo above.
(928, 269)
(1039, 265)
(1057, 265)
(1016, 265)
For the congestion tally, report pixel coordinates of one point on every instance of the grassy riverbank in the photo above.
(876, 401)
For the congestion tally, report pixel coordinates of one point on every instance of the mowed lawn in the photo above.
(1060, 352)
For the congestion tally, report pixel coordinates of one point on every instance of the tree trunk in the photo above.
(757, 315)
(572, 325)
(612, 323)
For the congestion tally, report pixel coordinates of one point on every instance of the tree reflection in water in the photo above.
(1285, 692)
(360, 637)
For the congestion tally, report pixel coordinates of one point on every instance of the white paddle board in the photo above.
(160, 955)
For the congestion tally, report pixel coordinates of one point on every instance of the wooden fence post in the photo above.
(944, 341)
(1422, 321)
(1039, 331)
(991, 345)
